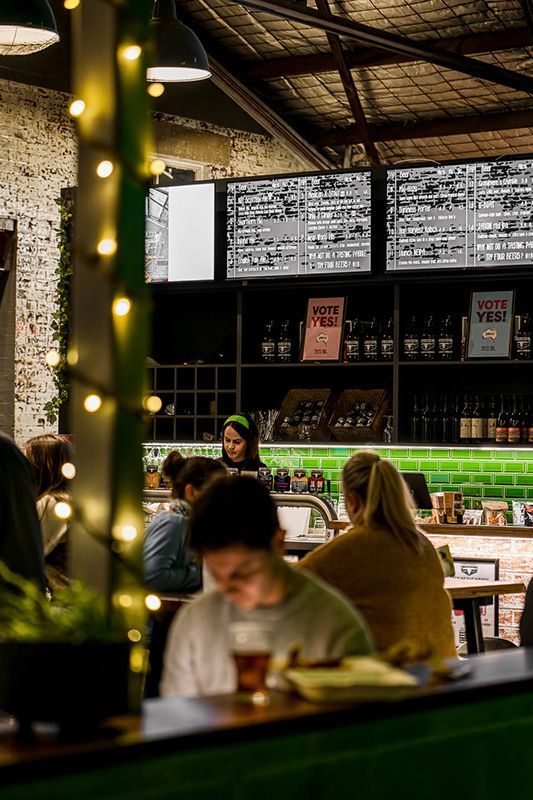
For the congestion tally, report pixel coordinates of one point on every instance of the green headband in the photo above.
(238, 418)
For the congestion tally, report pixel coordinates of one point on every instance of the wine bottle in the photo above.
(492, 418)
(411, 341)
(465, 430)
(428, 341)
(416, 423)
(445, 343)
(478, 423)
(502, 424)
(386, 345)
(371, 342)
(522, 338)
(352, 342)
(268, 344)
(427, 421)
(284, 343)
(446, 421)
(514, 430)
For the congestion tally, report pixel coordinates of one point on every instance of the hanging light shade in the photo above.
(178, 52)
(26, 26)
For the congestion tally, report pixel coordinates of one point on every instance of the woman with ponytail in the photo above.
(385, 565)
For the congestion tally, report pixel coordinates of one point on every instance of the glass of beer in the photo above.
(251, 647)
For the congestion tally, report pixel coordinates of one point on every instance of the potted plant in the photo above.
(61, 660)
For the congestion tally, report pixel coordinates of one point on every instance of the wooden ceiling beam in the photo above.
(366, 35)
(508, 120)
(350, 89)
(366, 57)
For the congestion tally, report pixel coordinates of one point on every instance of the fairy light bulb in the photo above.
(53, 358)
(155, 89)
(70, 5)
(134, 635)
(125, 600)
(68, 470)
(106, 247)
(104, 169)
(92, 403)
(153, 404)
(152, 602)
(121, 306)
(132, 52)
(157, 166)
(62, 510)
(128, 533)
(76, 108)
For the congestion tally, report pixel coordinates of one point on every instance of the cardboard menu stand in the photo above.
(324, 327)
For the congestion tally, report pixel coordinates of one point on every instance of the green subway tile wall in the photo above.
(481, 474)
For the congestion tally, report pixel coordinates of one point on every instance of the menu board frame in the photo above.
(319, 276)
(442, 270)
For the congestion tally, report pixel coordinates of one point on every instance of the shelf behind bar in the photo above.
(320, 364)
(485, 362)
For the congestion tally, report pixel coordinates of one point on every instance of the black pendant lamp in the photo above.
(178, 52)
(26, 26)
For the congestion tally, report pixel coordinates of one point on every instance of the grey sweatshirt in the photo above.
(197, 657)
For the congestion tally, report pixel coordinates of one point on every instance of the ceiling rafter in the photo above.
(478, 123)
(350, 89)
(365, 57)
(342, 26)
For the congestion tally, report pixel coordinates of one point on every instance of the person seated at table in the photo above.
(234, 527)
(240, 444)
(385, 565)
(169, 566)
(47, 454)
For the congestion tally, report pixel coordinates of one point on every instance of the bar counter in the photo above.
(456, 737)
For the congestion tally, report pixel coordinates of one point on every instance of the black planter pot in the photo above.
(74, 685)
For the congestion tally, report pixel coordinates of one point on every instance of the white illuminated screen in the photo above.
(180, 233)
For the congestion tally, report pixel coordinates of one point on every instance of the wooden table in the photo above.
(468, 596)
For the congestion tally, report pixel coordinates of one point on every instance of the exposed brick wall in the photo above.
(38, 158)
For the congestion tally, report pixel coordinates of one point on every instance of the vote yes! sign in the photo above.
(490, 324)
(323, 329)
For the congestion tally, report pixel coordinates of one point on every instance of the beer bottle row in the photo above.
(276, 345)
(472, 419)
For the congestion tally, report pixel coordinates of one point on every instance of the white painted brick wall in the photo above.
(38, 158)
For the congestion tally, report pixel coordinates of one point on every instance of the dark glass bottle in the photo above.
(436, 426)
(456, 420)
(416, 423)
(427, 421)
(525, 413)
(428, 342)
(446, 421)
(465, 429)
(411, 341)
(522, 338)
(445, 343)
(514, 431)
(268, 343)
(352, 342)
(478, 424)
(492, 418)
(371, 342)
(284, 344)
(502, 424)
(386, 344)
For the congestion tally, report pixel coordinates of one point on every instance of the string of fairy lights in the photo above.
(96, 396)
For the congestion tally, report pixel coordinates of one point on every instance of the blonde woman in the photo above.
(385, 565)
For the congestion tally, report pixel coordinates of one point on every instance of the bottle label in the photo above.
(479, 428)
(370, 347)
(465, 429)
(427, 346)
(491, 428)
(387, 347)
(445, 346)
(410, 347)
(530, 435)
(513, 434)
(501, 435)
(284, 349)
(267, 349)
(523, 346)
(351, 348)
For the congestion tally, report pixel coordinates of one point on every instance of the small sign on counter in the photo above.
(490, 324)
(323, 329)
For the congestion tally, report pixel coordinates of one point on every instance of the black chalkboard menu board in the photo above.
(460, 215)
(299, 225)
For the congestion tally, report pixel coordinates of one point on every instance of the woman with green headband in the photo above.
(240, 444)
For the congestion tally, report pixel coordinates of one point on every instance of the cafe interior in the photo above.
(103, 101)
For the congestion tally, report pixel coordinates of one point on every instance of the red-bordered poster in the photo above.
(323, 329)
